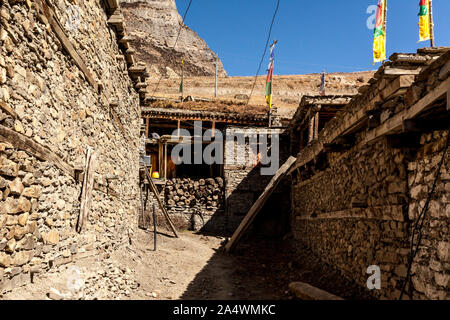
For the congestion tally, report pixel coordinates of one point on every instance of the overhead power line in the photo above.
(176, 41)
(265, 50)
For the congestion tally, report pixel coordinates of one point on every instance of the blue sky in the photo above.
(313, 35)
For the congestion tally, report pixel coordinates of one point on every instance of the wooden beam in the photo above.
(395, 123)
(58, 30)
(304, 291)
(7, 109)
(392, 71)
(112, 5)
(22, 142)
(397, 85)
(40, 152)
(147, 127)
(258, 205)
(316, 125)
(161, 205)
(88, 185)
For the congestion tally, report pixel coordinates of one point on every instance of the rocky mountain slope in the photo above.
(154, 25)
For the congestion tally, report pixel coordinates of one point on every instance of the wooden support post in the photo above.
(88, 185)
(178, 128)
(213, 128)
(161, 205)
(316, 125)
(159, 158)
(311, 130)
(165, 160)
(147, 127)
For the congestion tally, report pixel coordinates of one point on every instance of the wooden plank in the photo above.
(147, 127)
(391, 71)
(7, 109)
(305, 291)
(137, 69)
(88, 185)
(395, 123)
(397, 84)
(160, 203)
(24, 143)
(257, 206)
(112, 5)
(116, 21)
(42, 153)
(57, 29)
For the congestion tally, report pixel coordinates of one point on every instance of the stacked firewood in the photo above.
(188, 192)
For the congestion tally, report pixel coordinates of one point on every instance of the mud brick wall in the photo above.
(431, 267)
(52, 105)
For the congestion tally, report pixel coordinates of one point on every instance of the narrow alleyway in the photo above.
(191, 267)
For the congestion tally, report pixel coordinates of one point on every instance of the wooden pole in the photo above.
(182, 81)
(215, 90)
(165, 160)
(147, 127)
(385, 23)
(316, 125)
(159, 158)
(431, 24)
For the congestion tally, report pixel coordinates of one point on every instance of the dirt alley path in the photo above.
(190, 267)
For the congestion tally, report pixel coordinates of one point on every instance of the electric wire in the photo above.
(176, 41)
(265, 50)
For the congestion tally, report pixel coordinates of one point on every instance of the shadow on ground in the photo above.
(261, 269)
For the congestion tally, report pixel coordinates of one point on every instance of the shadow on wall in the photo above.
(272, 220)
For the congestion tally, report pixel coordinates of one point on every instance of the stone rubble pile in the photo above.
(109, 282)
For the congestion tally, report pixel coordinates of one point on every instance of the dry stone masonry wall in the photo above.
(50, 115)
(357, 207)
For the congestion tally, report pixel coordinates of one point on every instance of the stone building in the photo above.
(69, 132)
(361, 183)
(208, 197)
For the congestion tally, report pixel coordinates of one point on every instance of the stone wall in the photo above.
(194, 202)
(49, 104)
(244, 181)
(356, 206)
(352, 215)
(431, 267)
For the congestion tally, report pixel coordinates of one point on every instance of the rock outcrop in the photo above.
(154, 27)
